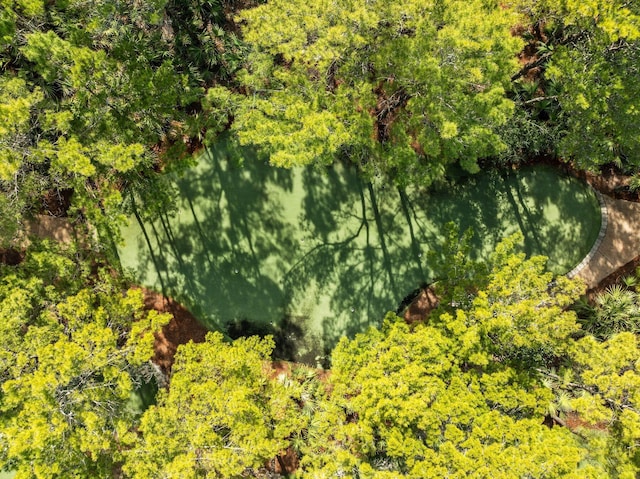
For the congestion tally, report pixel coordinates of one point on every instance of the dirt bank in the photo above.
(182, 328)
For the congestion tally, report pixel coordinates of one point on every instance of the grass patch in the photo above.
(311, 255)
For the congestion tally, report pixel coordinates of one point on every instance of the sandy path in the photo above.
(620, 244)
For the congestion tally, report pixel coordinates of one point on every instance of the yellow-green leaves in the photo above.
(85, 95)
(605, 393)
(121, 158)
(10, 163)
(461, 395)
(401, 89)
(406, 403)
(72, 157)
(592, 67)
(523, 306)
(224, 413)
(28, 8)
(16, 106)
(141, 337)
(72, 358)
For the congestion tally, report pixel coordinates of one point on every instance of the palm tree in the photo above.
(616, 310)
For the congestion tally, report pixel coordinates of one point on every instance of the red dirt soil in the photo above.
(182, 328)
(575, 423)
(421, 306)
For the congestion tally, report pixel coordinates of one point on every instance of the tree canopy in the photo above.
(502, 380)
(401, 90)
(455, 396)
(225, 414)
(485, 387)
(405, 90)
(75, 347)
(96, 97)
(590, 53)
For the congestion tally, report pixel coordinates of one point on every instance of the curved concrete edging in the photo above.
(604, 215)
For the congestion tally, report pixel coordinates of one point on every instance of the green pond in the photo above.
(310, 255)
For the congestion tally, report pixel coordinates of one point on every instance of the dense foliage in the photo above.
(471, 392)
(225, 414)
(401, 90)
(75, 345)
(501, 380)
(467, 394)
(96, 96)
(589, 84)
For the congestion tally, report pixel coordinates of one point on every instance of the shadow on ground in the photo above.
(310, 255)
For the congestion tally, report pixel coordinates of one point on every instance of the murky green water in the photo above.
(311, 255)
